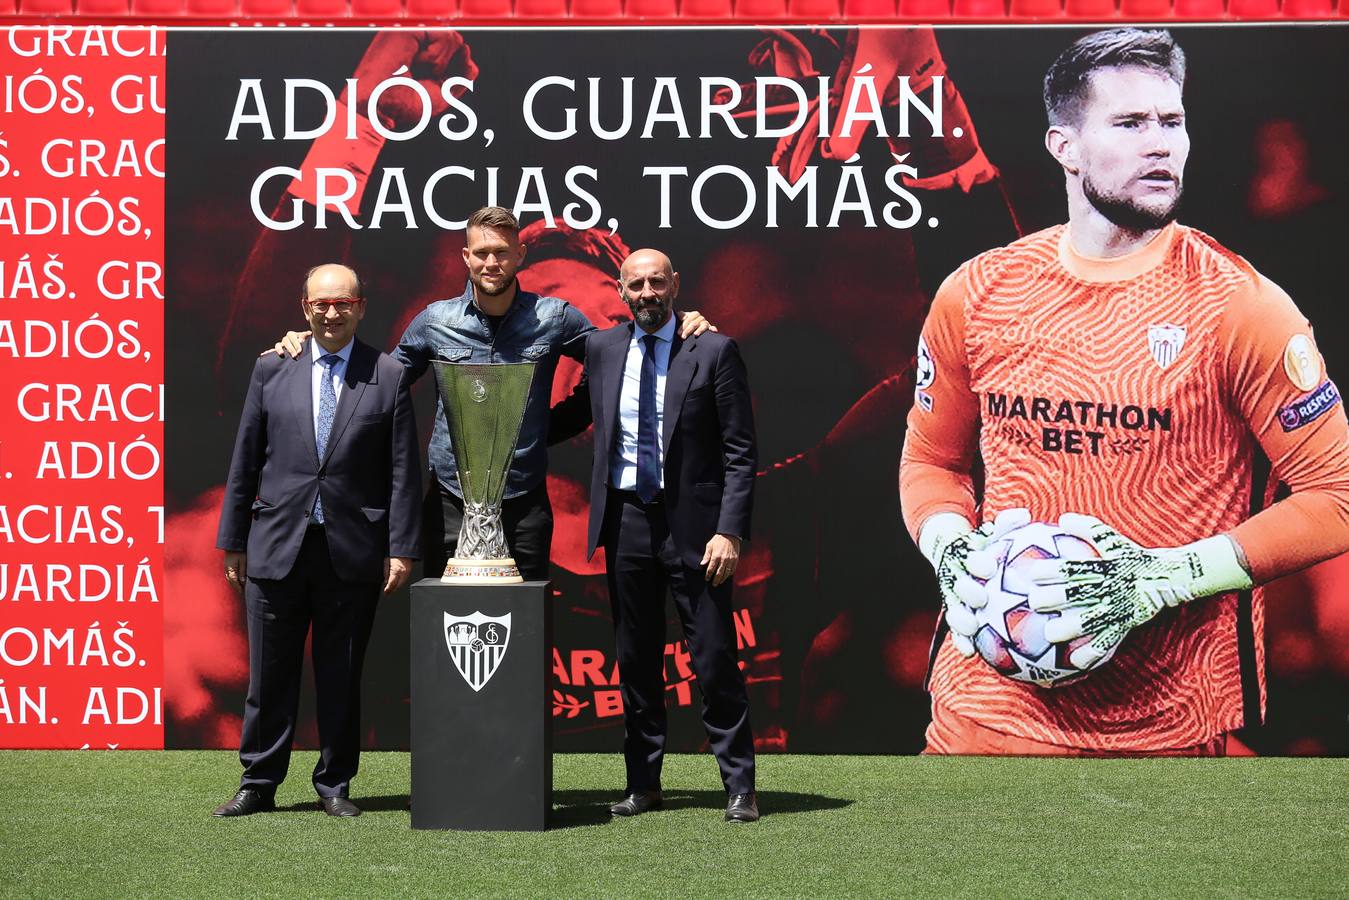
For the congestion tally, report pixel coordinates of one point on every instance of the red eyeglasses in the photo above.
(341, 306)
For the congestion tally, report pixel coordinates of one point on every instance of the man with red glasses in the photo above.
(320, 513)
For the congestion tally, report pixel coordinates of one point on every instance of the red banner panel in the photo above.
(82, 157)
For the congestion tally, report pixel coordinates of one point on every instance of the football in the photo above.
(1011, 636)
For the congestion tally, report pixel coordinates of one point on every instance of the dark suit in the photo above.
(298, 572)
(708, 466)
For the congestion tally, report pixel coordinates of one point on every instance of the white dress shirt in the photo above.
(623, 466)
(339, 370)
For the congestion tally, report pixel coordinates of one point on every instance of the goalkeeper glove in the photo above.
(958, 555)
(1107, 598)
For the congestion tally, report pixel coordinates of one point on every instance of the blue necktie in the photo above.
(648, 452)
(327, 410)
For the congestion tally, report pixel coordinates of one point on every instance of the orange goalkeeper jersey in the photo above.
(1155, 391)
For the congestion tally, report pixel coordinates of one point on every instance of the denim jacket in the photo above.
(534, 329)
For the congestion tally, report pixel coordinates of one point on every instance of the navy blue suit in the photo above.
(708, 469)
(301, 573)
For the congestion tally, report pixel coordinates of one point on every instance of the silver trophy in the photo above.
(484, 406)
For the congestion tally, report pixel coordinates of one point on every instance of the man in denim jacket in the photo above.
(495, 321)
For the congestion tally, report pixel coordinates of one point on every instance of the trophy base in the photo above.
(481, 571)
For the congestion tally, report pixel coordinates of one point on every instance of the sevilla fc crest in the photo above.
(1164, 342)
(477, 645)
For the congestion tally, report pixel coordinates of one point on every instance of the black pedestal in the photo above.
(481, 730)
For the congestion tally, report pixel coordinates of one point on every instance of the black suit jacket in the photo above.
(370, 480)
(708, 432)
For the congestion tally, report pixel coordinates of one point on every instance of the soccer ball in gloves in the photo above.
(1011, 636)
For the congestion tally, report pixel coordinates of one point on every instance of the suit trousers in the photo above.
(643, 562)
(527, 521)
(280, 613)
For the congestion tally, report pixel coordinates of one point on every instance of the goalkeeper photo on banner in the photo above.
(1138, 391)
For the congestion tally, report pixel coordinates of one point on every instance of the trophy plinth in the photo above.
(484, 407)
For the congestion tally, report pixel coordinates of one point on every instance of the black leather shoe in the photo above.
(742, 808)
(636, 803)
(340, 807)
(245, 803)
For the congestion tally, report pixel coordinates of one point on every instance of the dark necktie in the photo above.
(327, 410)
(648, 451)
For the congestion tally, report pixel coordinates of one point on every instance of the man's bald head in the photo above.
(333, 274)
(647, 258)
(648, 284)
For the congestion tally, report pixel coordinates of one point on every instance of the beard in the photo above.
(649, 316)
(478, 285)
(1129, 214)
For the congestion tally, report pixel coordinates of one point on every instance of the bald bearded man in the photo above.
(670, 499)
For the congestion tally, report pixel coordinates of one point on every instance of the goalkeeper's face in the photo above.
(1132, 146)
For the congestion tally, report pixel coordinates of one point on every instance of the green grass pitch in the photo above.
(122, 824)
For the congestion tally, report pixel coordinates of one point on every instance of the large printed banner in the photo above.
(163, 194)
(81, 402)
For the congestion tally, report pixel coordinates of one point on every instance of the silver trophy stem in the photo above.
(481, 556)
(482, 536)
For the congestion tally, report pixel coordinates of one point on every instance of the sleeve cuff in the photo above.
(938, 531)
(1219, 566)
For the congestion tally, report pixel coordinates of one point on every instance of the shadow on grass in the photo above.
(579, 809)
(387, 803)
(573, 809)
